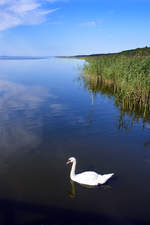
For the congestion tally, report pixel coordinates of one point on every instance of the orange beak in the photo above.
(68, 162)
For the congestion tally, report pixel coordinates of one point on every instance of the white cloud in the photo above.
(2, 2)
(22, 7)
(48, 11)
(88, 24)
(22, 12)
(52, 1)
(56, 23)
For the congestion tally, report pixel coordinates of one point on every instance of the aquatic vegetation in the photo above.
(126, 98)
(128, 76)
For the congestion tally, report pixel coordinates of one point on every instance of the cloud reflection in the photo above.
(18, 121)
(57, 108)
(18, 96)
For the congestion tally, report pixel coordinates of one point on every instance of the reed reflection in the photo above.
(132, 110)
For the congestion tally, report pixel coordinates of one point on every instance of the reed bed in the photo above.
(126, 79)
(130, 77)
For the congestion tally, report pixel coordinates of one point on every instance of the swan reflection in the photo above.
(72, 194)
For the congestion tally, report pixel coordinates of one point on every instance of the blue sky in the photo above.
(71, 27)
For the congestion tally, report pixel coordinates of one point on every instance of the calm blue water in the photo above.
(46, 116)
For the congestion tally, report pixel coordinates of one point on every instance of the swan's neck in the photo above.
(72, 173)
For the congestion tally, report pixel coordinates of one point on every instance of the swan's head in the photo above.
(71, 160)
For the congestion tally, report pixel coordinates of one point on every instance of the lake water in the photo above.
(46, 116)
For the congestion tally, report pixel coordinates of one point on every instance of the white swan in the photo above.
(89, 177)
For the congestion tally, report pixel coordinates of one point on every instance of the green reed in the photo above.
(131, 76)
(125, 79)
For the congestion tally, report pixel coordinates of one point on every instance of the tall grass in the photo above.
(131, 75)
(125, 104)
(127, 79)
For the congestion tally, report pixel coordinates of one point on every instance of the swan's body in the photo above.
(88, 177)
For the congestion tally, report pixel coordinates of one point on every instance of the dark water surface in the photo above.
(46, 116)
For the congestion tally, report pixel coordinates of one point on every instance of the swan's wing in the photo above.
(88, 177)
(103, 178)
(87, 174)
